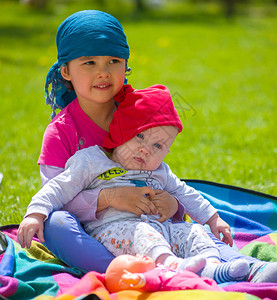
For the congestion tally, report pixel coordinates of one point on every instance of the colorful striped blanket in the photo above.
(37, 274)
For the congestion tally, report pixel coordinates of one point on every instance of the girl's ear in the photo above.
(65, 72)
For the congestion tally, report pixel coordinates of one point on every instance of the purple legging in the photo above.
(66, 238)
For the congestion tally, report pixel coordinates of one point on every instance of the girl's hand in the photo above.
(218, 226)
(31, 225)
(132, 280)
(166, 204)
(133, 199)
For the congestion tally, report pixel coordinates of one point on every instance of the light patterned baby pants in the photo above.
(141, 235)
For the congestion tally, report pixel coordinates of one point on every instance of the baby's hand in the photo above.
(130, 198)
(218, 226)
(166, 204)
(31, 225)
(132, 280)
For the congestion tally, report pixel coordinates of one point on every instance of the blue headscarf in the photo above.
(85, 33)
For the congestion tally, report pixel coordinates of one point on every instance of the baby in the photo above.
(143, 128)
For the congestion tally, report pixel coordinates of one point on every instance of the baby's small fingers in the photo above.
(162, 219)
(216, 234)
(28, 236)
(148, 207)
(20, 238)
(227, 238)
(41, 236)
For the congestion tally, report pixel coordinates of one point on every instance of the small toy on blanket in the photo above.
(139, 272)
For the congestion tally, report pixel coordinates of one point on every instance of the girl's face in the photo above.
(95, 79)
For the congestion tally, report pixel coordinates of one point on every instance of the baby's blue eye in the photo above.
(157, 145)
(140, 135)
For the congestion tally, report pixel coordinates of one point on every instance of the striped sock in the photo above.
(225, 272)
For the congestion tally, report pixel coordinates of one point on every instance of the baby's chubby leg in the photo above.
(131, 236)
(161, 251)
(260, 271)
(135, 236)
(193, 241)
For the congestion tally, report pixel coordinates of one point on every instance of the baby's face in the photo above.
(147, 149)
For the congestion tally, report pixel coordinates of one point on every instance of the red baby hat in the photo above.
(139, 110)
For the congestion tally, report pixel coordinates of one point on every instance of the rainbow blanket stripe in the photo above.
(37, 274)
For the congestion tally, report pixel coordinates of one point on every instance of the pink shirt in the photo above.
(69, 131)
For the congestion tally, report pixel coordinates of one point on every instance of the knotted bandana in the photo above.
(85, 33)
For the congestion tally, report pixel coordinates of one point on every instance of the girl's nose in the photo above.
(103, 72)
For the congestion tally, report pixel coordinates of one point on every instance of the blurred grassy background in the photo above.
(221, 72)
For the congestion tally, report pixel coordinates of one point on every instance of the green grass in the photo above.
(222, 75)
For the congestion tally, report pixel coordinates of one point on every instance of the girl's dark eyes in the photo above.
(114, 61)
(91, 62)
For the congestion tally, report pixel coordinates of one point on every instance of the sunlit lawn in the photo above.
(222, 75)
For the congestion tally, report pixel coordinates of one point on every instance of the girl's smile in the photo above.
(102, 86)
